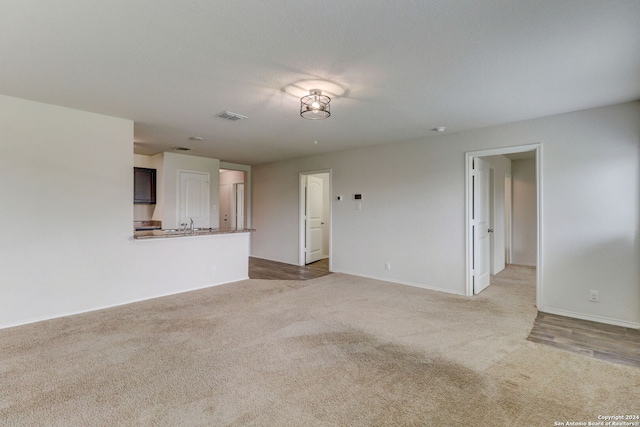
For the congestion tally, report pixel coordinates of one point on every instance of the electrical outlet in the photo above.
(387, 265)
(594, 296)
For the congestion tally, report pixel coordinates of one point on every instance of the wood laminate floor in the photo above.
(607, 342)
(264, 269)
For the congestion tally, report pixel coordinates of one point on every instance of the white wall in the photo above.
(172, 163)
(141, 161)
(231, 176)
(524, 230)
(413, 209)
(406, 208)
(66, 191)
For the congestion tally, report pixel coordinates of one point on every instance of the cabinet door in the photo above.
(144, 186)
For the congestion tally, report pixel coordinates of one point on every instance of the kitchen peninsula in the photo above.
(172, 233)
(190, 237)
(89, 259)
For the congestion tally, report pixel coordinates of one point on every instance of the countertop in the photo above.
(169, 234)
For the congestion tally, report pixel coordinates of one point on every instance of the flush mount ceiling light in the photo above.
(315, 106)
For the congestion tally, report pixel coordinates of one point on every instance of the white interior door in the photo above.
(480, 223)
(313, 219)
(194, 198)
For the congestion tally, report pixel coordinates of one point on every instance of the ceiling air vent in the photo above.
(231, 116)
(181, 149)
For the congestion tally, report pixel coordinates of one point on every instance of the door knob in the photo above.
(490, 230)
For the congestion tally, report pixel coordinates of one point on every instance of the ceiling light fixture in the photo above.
(315, 106)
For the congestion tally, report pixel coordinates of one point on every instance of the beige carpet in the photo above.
(334, 351)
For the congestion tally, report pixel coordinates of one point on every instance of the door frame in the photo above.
(247, 187)
(301, 214)
(469, 156)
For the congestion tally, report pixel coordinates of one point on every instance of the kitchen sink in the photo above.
(180, 232)
(167, 231)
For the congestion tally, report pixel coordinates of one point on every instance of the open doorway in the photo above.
(503, 215)
(243, 176)
(233, 199)
(315, 218)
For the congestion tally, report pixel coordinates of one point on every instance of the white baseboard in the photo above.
(45, 318)
(599, 319)
(399, 282)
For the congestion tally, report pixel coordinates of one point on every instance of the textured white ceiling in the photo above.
(408, 66)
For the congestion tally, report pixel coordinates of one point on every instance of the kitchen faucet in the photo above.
(184, 225)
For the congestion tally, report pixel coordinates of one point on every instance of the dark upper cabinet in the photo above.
(144, 186)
